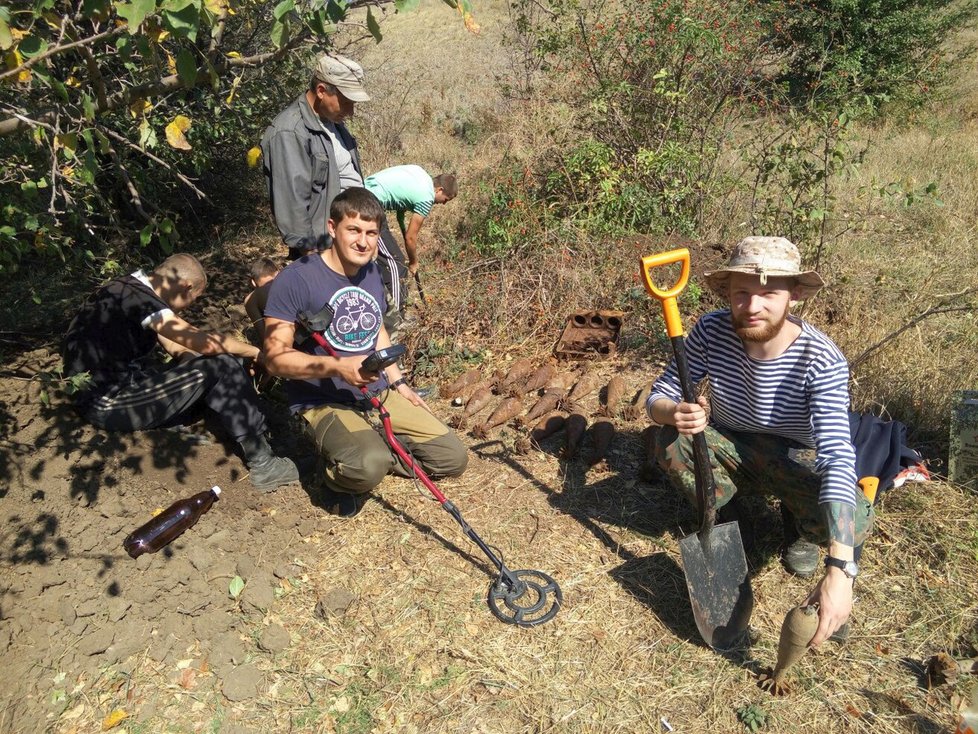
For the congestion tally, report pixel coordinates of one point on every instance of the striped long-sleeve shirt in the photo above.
(803, 394)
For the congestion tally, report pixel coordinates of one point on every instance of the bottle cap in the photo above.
(216, 490)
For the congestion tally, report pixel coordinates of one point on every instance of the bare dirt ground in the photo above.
(380, 623)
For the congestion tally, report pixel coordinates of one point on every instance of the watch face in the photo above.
(851, 569)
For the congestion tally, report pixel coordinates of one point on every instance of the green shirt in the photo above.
(401, 189)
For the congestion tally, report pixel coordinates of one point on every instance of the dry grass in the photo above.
(419, 651)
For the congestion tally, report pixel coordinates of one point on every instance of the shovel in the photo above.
(713, 558)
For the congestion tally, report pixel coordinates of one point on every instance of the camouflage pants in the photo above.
(756, 464)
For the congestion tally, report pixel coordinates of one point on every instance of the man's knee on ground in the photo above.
(446, 456)
(360, 471)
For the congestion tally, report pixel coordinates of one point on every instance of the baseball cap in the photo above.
(344, 74)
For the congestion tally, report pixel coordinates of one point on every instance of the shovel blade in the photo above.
(719, 588)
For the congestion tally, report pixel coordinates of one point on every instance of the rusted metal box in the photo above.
(590, 334)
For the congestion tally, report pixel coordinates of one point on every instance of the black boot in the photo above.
(268, 471)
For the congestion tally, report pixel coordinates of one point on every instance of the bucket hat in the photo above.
(344, 74)
(767, 257)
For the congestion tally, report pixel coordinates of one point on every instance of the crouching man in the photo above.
(325, 390)
(776, 384)
(115, 338)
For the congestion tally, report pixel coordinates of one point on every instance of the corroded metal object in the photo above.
(590, 334)
(797, 630)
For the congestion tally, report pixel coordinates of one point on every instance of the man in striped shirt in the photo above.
(777, 385)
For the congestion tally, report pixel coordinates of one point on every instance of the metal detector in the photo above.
(526, 597)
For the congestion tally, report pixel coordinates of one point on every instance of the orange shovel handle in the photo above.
(670, 306)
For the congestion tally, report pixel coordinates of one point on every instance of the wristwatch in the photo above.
(849, 568)
(397, 383)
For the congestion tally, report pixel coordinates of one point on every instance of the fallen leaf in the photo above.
(136, 108)
(853, 711)
(341, 705)
(254, 155)
(114, 719)
(175, 132)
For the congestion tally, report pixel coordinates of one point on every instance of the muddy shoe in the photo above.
(801, 558)
(273, 472)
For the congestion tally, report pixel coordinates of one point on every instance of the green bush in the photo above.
(860, 54)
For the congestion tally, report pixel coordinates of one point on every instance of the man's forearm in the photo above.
(840, 520)
(664, 412)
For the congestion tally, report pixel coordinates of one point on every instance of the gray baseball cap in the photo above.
(766, 257)
(344, 74)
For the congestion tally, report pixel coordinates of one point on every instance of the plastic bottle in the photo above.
(969, 716)
(169, 524)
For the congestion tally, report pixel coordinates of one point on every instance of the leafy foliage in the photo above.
(112, 112)
(859, 54)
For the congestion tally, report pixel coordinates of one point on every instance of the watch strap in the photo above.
(397, 383)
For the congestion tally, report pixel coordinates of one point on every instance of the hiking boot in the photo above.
(273, 472)
(341, 504)
(801, 558)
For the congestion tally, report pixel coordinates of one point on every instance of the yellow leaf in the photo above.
(217, 7)
(139, 107)
(72, 81)
(182, 122)
(254, 155)
(155, 33)
(171, 63)
(114, 719)
(233, 55)
(175, 133)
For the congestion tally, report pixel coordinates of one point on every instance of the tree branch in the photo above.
(54, 50)
(940, 308)
(162, 85)
(156, 159)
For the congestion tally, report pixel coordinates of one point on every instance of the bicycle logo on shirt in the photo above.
(361, 319)
(356, 320)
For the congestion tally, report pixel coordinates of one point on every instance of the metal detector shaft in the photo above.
(402, 453)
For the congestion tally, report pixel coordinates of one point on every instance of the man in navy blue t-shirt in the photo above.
(325, 390)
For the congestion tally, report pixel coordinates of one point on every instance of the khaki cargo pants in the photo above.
(357, 456)
(756, 464)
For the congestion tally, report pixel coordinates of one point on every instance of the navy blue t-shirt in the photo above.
(358, 304)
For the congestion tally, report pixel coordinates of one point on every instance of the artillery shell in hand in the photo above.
(797, 630)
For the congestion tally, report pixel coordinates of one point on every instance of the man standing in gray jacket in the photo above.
(309, 157)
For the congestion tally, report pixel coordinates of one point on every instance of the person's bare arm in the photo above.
(282, 360)
(177, 331)
(175, 350)
(411, 241)
(688, 418)
(393, 373)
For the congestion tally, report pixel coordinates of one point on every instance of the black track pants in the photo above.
(157, 399)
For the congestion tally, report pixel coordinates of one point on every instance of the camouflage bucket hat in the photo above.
(767, 257)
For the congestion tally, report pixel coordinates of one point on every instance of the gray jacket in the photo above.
(297, 158)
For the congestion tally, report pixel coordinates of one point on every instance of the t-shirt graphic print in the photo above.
(357, 317)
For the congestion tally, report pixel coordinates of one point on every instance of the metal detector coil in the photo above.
(532, 599)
